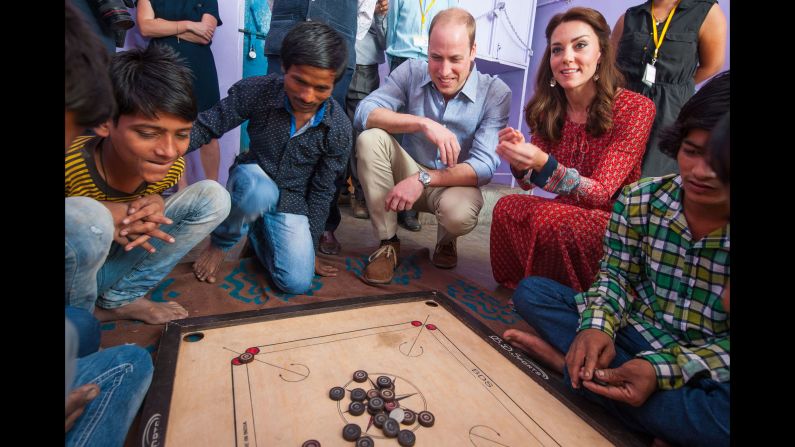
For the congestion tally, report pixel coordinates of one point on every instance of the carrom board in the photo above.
(262, 378)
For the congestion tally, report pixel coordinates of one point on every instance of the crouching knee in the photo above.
(89, 229)
(295, 282)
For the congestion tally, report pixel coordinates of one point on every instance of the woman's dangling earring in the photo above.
(553, 82)
(596, 77)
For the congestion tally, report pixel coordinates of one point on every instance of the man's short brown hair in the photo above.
(456, 15)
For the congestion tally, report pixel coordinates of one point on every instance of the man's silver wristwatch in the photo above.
(425, 179)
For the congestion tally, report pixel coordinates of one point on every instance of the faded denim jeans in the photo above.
(282, 241)
(123, 277)
(123, 374)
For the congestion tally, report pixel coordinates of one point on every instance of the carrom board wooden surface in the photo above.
(262, 378)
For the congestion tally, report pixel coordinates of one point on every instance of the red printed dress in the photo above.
(561, 238)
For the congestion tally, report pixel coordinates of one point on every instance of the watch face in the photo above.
(425, 178)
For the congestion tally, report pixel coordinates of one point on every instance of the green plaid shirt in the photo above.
(667, 286)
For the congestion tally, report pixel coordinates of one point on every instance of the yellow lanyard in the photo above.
(658, 43)
(424, 14)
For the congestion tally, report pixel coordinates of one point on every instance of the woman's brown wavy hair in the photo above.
(546, 112)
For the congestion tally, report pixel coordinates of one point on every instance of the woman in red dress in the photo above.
(588, 139)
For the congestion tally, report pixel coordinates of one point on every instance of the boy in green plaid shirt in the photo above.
(649, 341)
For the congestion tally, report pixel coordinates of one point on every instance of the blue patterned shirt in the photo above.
(303, 166)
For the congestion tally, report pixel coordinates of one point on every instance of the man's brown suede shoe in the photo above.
(382, 263)
(445, 256)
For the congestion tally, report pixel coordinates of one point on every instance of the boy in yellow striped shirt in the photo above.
(122, 235)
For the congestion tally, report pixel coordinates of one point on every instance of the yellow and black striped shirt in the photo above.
(83, 179)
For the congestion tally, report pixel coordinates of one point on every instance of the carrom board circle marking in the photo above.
(342, 406)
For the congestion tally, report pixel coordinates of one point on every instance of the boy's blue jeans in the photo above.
(99, 271)
(123, 374)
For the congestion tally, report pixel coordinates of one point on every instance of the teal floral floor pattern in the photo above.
(161, 294)
(481, 303)
(406, 271)
(242, 284)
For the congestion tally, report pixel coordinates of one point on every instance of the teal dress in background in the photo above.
(198, 57)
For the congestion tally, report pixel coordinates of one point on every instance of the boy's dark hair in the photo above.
(719, 149)
(88, 93)
(315, 44)
(151, 81)
(701, 111)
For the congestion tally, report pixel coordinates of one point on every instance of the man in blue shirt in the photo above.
(449, 114)
(341, 15)
(407, 38)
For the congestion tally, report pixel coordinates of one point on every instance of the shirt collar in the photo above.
(667, 199)
(320, 113)
(316, 118)
(667, 202)
(470, 89)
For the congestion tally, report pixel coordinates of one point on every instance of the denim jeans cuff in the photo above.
(114, 301)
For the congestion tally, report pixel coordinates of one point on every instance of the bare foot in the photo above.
(536, 347)
(207, 263)
(145, 310)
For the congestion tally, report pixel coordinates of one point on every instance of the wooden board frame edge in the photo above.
(154, 420)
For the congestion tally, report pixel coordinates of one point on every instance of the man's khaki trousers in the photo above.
(382, 163)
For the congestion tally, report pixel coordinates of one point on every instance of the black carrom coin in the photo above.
(360, 376)
(356, 408)
(383, 382)
(426, 418)
(358, 394)
(336, 393)
(409, 417)
(351, 432)
(391, 428)
(406, 438)
(379, 419)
